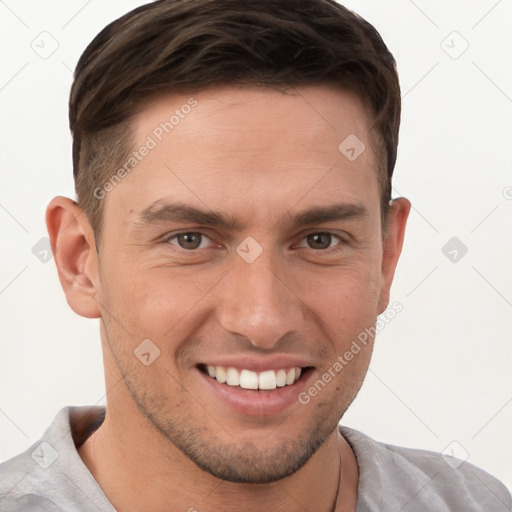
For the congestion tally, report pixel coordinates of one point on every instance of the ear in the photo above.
(74, 251)
(392, 246)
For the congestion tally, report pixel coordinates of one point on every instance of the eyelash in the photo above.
(341, 241)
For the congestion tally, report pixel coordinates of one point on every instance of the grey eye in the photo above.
(189, 241)
(319, 240)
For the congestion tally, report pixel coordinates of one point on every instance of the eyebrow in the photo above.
(161, 211)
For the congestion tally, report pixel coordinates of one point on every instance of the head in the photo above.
(233, 166)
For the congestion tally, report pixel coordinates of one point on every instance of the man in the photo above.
(235, 234)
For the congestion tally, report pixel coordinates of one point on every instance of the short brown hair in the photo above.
(172, 45)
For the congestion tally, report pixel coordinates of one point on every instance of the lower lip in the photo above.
(256, 402)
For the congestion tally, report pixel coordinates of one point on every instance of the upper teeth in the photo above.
(247, 379)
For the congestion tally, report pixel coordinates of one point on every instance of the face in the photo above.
(244, 245)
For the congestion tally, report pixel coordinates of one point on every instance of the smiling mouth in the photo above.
(246, 379)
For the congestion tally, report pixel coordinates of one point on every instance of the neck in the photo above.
(153, 475)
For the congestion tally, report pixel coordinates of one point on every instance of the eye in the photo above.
(320, 241)
(190, 241)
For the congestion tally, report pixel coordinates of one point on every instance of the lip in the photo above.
(250, 402)
(259, 365)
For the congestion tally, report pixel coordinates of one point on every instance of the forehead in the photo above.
(252, 146)
(308, 112)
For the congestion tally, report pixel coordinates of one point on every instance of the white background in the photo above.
(441, 368)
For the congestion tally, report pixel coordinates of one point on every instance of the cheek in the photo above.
(346, 297)
(160, 302)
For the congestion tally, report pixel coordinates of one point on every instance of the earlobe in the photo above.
(74, 251)
(392, 246)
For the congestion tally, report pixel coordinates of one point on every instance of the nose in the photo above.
(259, 303)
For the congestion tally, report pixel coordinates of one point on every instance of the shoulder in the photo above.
(25, 480)
(49, 476)
(418, 480)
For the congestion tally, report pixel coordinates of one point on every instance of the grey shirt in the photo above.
(50, 475)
